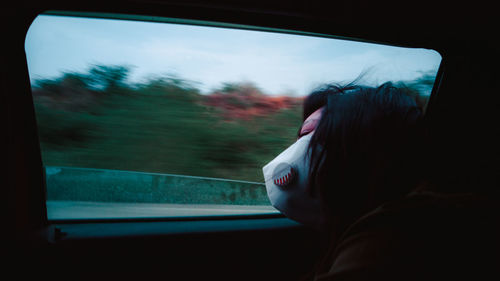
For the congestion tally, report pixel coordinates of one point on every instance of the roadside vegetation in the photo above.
(97, 119)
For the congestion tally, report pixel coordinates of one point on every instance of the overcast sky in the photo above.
(278, 63)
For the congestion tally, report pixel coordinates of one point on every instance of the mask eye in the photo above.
(310, 123)
(304, 133)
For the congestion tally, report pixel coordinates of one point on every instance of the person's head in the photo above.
(365, 149)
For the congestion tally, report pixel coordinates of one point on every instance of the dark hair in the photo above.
(366, 149)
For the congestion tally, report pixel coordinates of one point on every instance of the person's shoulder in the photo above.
(424, 207)
(424, 235)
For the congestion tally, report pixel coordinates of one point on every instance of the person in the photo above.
(358, 173)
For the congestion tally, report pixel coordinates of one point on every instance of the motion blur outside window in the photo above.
(142, 119)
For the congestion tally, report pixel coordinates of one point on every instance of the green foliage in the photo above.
(98, 120)
(420, 88)
(108, 78)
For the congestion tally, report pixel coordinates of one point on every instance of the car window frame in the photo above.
(175, 225)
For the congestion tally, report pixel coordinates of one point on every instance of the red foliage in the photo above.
(246, 103)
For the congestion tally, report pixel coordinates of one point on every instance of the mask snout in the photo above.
(284, 175)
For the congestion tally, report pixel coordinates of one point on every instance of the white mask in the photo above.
(286, 178)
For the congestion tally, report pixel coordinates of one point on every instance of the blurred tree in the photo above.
(165, 125)
(108, 78)
(419, 88)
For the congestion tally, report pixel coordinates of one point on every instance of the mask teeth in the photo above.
(283, 180)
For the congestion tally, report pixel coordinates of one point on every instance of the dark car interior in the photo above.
(462, 120)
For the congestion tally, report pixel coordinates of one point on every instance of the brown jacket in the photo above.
(426, 236)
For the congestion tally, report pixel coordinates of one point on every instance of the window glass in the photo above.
(148, 119)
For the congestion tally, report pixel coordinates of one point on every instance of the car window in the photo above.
(165, 119)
